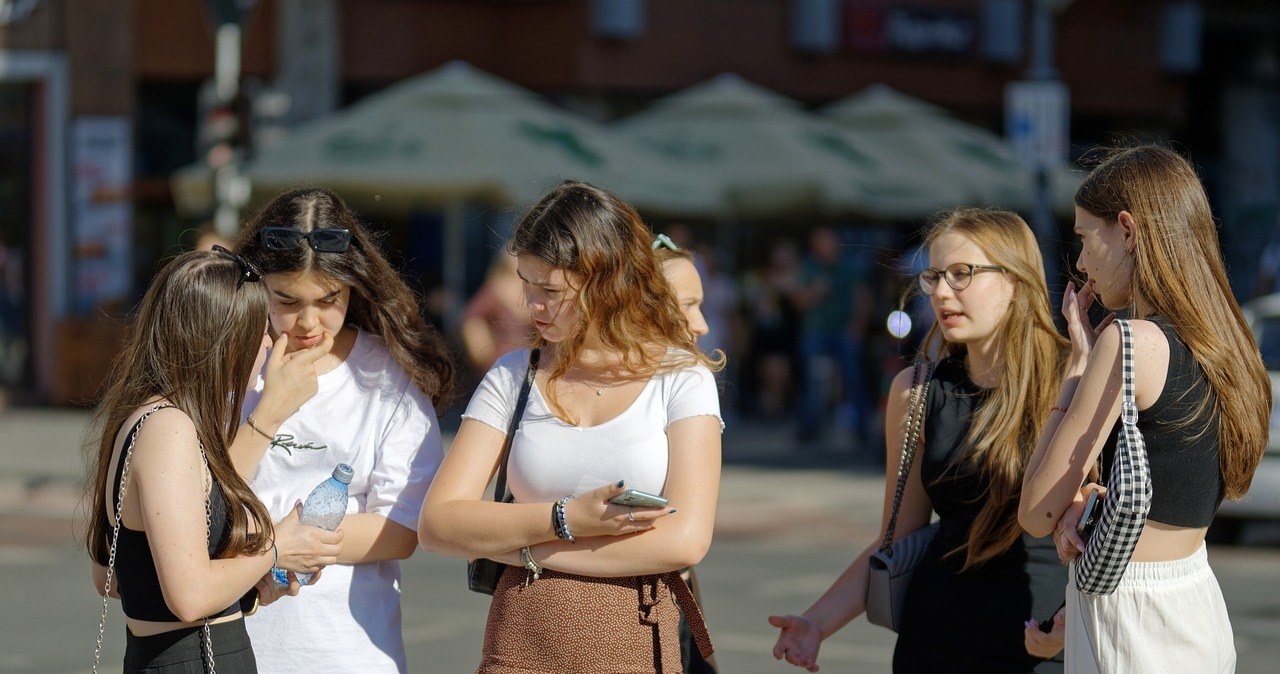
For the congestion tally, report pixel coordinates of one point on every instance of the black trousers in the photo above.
(180, 651)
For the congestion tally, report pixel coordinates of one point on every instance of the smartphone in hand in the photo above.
(638, 499)
(1092, 509)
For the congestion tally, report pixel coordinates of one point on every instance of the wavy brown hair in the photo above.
(601, 239)
(1179, 272)
(1032, 354)
(381, 302)
(193, 343)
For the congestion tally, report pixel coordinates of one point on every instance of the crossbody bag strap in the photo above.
(913, 424)
(500, 493)
(115, 528)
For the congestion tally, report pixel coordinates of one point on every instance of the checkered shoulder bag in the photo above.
(1124, 511)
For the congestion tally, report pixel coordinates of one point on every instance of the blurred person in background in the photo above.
(379, 388)
(774, 328)
(621, 398)
(981, 578)
(834, 301)
(174, 532)
(686, 284)
(496, 319)
(1268, 279)
(13, 345)
(1149, 246)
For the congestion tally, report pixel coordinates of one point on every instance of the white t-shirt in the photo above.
(550, 458)
(369, 415)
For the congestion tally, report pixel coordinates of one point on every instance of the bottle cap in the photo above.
(343, 473)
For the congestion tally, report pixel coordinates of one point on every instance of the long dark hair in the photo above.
(381, 302)
(599, 237)
(193, 343)
(1178, 269)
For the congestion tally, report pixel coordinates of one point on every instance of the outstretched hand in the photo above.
(799, 641)
(1075, 308)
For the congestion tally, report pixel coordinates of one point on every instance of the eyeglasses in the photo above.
(328, 240)
(248, 271)
(664, 241)
(958, 275)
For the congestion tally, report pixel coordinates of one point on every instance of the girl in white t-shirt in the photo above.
(621, 399)
(375, 410)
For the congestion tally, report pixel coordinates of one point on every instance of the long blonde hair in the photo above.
(1003, 431)
(1178, 270)
(599, 237)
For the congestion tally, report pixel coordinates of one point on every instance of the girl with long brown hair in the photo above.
(174, 531)
(384, 371)
(999, 358)
(621, 399)
(1149, 246)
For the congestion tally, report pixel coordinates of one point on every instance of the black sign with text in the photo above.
(909, 30)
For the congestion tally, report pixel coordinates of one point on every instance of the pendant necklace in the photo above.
(599, 390)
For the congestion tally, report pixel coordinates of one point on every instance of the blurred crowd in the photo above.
(805, 331)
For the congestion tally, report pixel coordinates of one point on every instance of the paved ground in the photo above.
(789, 520)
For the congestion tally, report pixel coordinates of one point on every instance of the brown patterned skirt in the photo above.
(568, 624)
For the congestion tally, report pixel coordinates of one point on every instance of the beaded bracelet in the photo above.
(560, 522)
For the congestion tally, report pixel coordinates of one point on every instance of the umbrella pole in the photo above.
(455, 260)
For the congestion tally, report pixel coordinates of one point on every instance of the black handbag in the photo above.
(893, 563)
(482, 574)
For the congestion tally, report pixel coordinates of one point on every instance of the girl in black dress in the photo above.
(999, 360)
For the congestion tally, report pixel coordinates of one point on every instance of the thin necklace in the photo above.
(598, 389)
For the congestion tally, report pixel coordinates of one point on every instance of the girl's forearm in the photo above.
(370, 537)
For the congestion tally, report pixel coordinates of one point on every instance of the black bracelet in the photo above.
(560, 522)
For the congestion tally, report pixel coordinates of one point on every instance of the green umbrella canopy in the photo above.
(457, 133)
(762, 150)
(938, 162)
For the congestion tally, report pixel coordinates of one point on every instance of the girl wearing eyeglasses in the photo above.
(174, 532)
(385, 371)
(1149, 245)
(999, 360)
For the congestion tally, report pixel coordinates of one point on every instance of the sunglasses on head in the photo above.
(328, 240)
(664, 241)
(248, 272)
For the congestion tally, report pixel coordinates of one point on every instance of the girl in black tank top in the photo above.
(163, 477)
(1149, 246)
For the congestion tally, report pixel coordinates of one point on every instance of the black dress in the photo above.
(971, 621)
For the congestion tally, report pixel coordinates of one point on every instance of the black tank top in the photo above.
(1182, 446)
(140, 595)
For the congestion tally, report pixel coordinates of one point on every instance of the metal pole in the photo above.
(226, 78)
(1041, 68)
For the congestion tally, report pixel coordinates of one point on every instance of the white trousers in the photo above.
(1165, 617)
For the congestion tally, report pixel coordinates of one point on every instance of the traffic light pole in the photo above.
(226, 178)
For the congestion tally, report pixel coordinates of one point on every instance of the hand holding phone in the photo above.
(638, 499)
(1092, 509)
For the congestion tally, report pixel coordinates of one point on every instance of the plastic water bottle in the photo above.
(324, 508)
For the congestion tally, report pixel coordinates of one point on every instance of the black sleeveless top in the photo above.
(1182, 447)
(971, 620)
(140, 595)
